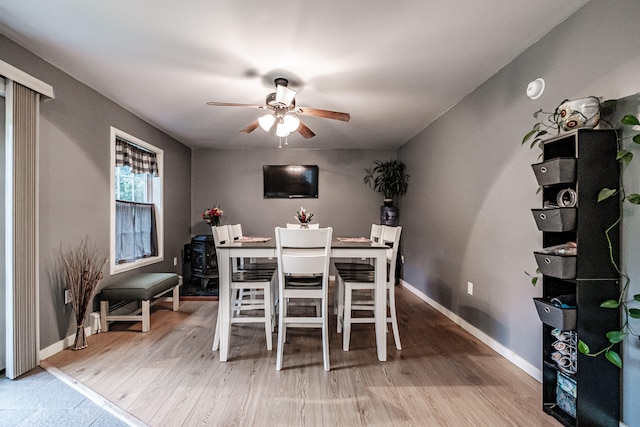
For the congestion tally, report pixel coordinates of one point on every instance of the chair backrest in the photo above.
(313, 226)
(304, 252)
(391, 237)
(220, 234)
(235, 231)
(376, 232)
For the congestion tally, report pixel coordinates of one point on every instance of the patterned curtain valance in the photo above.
(140, 160)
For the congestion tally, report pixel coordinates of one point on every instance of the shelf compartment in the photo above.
(559, 266)
(555, 219)
(555, 171)
(557, 317)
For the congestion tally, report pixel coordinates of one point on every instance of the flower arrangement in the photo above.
(212, 215)
(303, 216)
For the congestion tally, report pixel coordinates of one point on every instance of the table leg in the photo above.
(381, 305)
(224, 298)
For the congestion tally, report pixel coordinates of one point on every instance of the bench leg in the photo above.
(176, 297)
(146, 321)
(104, 312)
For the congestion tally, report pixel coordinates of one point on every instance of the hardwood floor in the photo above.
(170, 377)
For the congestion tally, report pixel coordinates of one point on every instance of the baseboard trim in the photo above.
(61, 345)
(508, 354)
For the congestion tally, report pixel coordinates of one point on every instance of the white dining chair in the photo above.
(243, 287)
(351, 281)
(310, 226)
(236, 233)
(356, 265)
(303, 273)
(362, 265)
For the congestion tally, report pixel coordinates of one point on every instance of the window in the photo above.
(136, 203)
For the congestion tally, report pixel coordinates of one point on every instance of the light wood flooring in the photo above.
(169, 376)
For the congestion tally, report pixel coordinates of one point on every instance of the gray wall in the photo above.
(74, 180)
(233, 180)
(477, 187)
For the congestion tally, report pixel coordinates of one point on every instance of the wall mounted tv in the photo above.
(290, 181)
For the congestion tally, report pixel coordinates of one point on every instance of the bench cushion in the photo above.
(139, 287)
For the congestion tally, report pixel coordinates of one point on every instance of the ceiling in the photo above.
(394, 66)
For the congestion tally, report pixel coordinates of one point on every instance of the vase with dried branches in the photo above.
(82, 272)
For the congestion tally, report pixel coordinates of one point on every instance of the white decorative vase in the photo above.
(579, 113)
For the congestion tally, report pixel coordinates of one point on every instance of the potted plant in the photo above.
(390, 179)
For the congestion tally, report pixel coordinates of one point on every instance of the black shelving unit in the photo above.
(584, 162)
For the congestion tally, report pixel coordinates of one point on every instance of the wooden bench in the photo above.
(143, 287)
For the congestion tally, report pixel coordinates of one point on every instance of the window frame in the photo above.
(157, 199)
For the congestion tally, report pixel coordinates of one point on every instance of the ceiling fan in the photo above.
(283, 111)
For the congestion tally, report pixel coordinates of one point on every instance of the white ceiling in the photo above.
(394, 66)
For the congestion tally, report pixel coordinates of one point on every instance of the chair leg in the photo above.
(394, 318)
(216, 336)
(325, 336)
(267, 315)
(339, 303)
(346, 325)
(274, 304)
(281, 333)
(238, 296)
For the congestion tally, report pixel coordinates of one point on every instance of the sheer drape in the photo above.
(135, 231)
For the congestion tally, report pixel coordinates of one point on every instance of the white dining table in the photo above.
(339, 249)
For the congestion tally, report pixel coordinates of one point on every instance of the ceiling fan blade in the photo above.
(325, 114)
(250, 127)
(233, 104)
(305, 131)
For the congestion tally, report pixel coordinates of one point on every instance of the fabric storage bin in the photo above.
(555, 219)
(567, 384)
(566, 394)
(555, 171)
(561, 318)
(559, 266)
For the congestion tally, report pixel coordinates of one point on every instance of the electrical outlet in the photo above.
(67, 296)
(470, 288)
(175, 260)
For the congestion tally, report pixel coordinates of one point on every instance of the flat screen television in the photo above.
(290, 181)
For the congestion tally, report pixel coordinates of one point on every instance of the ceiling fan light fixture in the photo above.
(266, 122)
(281, 129)
(291, 123)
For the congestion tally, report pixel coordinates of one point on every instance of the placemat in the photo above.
(254, 239)
(353, 239)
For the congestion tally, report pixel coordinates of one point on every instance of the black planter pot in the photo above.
(389, 214)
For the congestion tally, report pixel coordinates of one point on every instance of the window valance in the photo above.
(138, 159)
